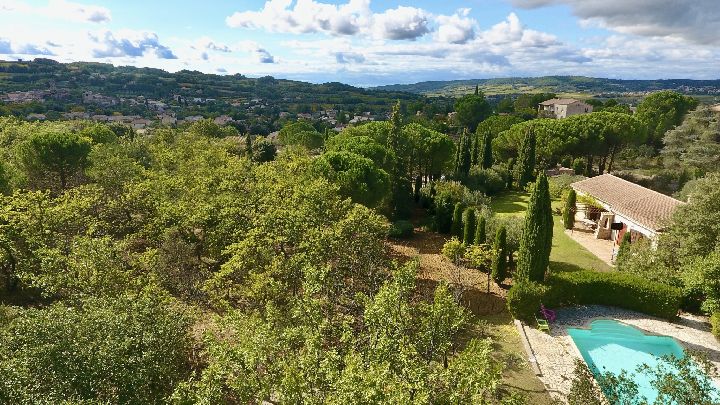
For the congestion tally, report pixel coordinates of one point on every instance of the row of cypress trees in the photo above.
(468, 154)
(472, 230)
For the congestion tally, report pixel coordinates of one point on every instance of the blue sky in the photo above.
(372, 42)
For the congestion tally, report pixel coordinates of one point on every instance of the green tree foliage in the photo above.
(210, 129)
(480, 230)
(624, 251)
(496, 124)
(526, 105)
(487, 157)
(457, 223)
(4, 179)
(695, 144)
(130, 349)
(569, 209)
(463, 157)
(499, 262)
(662, 111)
(357, 177)
(262, 150)
(99, 133)
(525, 166)
(536, 241)
(362, 145)
(54, 159)
(454, 249)
(301, 133)
(598, 137)
(471, 110)
(400, 189)
(469, 226)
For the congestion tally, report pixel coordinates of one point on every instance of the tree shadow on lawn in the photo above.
(563, 267)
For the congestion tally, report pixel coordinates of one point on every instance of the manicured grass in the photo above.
(566, 254)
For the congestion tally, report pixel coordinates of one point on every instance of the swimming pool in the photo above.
(611, 346)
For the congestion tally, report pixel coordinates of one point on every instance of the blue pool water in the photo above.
(613, 346)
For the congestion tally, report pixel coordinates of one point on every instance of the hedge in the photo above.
(715, 323)
(614, 289)
(524, 298)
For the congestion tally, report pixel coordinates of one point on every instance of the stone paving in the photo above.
(602, 248)
(555, 352)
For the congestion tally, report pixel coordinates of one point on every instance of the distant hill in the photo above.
(128, 82)
(564, 85)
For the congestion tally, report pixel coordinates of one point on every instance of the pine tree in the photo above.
(536, 239)
(525, 164)
(569, 210)
(499, 263)
(470, 226)
(480, 236)
(456, 227)
(487, 158)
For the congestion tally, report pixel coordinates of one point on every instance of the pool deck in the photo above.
(555, 352)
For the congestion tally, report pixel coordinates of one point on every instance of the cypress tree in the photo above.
(465, 156)
(400, 183)
(487, 158)
(536, 239)
(480, 236)
(569, 210)
(456, 227)
(475, 155)
(477, 90)
(499, 263)
(248, 145)
(469, 227)
(525, 164)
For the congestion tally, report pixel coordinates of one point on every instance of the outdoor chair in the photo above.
(542, 325)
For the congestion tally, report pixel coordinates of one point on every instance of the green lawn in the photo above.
(566, 254)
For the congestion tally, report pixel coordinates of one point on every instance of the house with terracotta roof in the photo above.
(618, 206)
(563, 108)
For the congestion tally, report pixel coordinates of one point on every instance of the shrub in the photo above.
(715, 323)
(569, 209)
(401, 229)
(579, 165)
(453, 250)
(488, 181)
(614, 289)
(524, 298)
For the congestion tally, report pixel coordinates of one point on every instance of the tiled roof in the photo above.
(642, 205)
(559, 101)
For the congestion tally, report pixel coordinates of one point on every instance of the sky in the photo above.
(374, 42)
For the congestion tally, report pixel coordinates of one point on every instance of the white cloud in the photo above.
(349, 57)
(8, 47)
(307, 16)
(60, 9)
(128, 43)
(261, 54)
(696, 21)
(401, 23)
(457, 28)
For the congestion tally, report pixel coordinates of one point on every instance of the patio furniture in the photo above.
(542, 325)
(548, 314)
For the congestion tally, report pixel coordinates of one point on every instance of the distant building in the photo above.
(715, 108)
(563, 108)
(223, 120)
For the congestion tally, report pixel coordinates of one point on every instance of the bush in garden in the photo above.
(569, 210)
(457, 225)
(499, 263)
(524, 298)
(454, 249)
(614, 289)
(715, 323)
(488, 181)
(401, 229)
